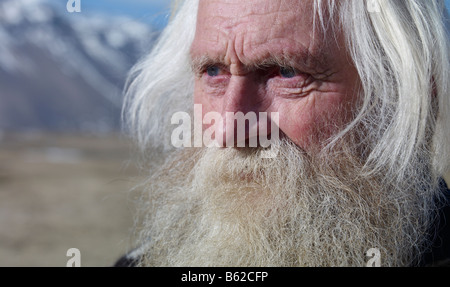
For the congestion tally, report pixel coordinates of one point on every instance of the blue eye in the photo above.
(213, 71)
(287, 72)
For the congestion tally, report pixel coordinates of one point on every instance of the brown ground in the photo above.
(61, 192)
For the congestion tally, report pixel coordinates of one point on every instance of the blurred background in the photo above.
(66, 171)
(65, 168)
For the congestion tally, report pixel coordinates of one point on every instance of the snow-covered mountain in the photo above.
(64, 72)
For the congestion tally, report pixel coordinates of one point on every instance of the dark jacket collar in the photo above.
(439, 253)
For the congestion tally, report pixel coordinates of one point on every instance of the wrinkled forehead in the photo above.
(243, 8)
(257, 24)
(262, 15)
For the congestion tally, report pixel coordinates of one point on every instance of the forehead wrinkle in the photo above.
(276, 52)
(284, 54)
(230, 16)
(222, 40)
(238, 11)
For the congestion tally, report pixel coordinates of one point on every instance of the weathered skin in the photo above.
(235, 52)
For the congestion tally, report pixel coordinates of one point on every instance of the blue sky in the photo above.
(150, 11)
(145, 10)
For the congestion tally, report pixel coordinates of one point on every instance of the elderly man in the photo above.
(360, 94)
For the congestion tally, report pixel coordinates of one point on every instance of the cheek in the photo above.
(200, 99)
(208, 103)
(312, 120)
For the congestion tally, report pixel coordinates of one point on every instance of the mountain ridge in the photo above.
(60, 73)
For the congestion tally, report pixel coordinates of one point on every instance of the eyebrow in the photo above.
(200, 64)
(303, 61)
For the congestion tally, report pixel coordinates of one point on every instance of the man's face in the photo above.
(233, 207)
(266, 56)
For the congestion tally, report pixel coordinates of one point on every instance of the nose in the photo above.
(244, 107)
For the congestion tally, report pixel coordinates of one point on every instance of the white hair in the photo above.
(401, 53)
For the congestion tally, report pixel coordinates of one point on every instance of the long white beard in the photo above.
(230, 207)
